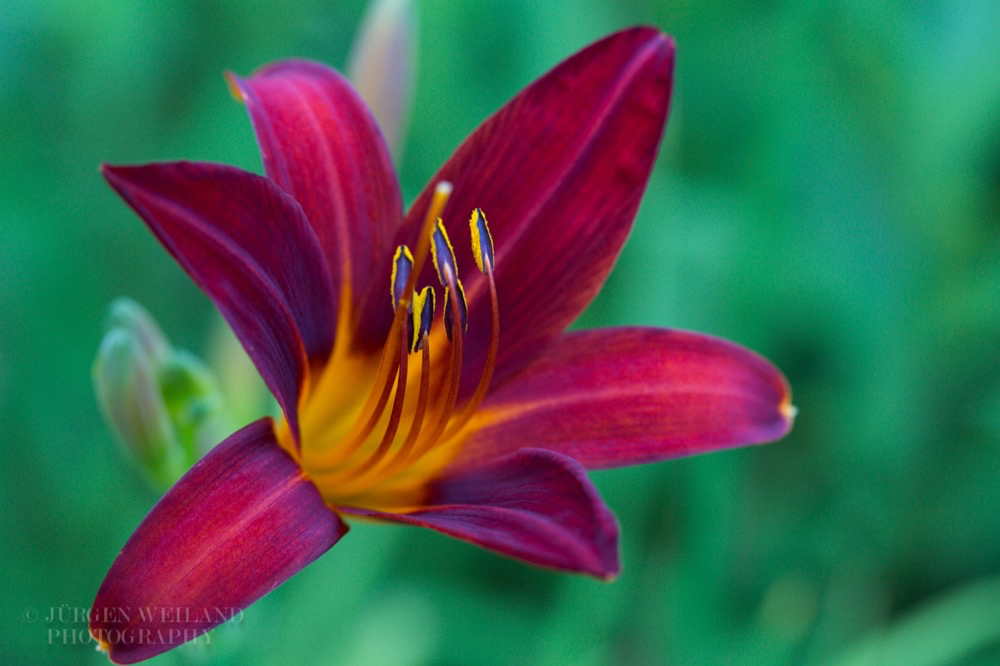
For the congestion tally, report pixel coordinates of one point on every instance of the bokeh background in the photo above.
(828, 193)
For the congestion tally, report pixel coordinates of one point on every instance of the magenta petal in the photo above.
(248, 245)
(559, 172)
(617, 397)
(236, 526)
(320, 143)
(535, 505)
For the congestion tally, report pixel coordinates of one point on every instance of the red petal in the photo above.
(559, 172)
(321, 144)
(533, 505)
(236, 526)
(248, 246)
(624, 396)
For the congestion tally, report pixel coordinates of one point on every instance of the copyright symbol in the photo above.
(31, 614)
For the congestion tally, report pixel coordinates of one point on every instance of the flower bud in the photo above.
(382, 66)
(163, 404)
(128, 315)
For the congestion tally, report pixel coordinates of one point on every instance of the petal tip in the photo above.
(655, 36)
(786, 408)
(233, 82)
(116, 174)
(789, 411)
(101, 644)
(610, 566)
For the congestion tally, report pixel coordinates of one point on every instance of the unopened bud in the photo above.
(128, 315)
(162, 404)
(128, 392)
(382, 66)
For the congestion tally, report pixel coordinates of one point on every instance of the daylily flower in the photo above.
(392, 409)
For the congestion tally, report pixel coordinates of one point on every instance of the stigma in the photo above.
(408, 427)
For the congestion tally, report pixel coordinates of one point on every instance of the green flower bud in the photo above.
(128, 315)
(193, 401)
(163, 404)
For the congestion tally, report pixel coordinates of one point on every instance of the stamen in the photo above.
(444, 263)
(403, 455)
(482, 248)
(491, 360)
(331, 465)
(482, 241)
(374, 407)
(394, 415)
(421, 410)
(402, 267)
(446, 406)
(423, 317)
(463, 310)
(401, 282)
(443, 254)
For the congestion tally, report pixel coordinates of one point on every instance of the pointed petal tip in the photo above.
(560, 216)
(614, 569)
(119, 173)
(788, 411)
(653, 36)
(783, 409)
(625, 396)
(235, 85)
(101, 645)
(650, 32)
(109, 171)
(237, 525)
(320, 144)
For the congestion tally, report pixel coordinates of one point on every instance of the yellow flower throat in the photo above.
(382, 447)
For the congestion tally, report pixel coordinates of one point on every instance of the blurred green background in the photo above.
(828, 193)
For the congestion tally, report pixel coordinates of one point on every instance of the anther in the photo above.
(482, 249)
(482, 241)
(402, 267)
(423, 317)
(443, 255)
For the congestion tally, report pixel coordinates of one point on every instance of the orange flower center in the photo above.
(381, 448)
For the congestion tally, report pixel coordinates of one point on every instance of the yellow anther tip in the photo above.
(482, 240)
(404, 251)
(423, 316)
